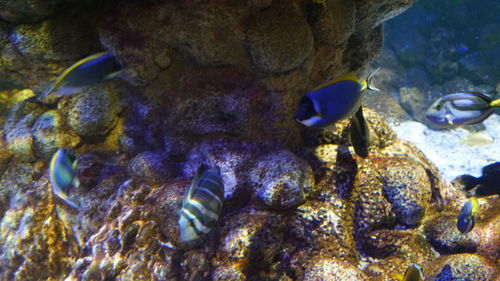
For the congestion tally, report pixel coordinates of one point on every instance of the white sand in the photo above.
(444, 148)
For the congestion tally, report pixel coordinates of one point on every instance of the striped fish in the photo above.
(86, 72)
(62, 173)
(202, 204)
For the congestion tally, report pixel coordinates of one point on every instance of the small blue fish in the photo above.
(446, 274)
(86, 72)
(202, 204)
(413, 273)
(454, 110)
(467, 217)
(62, 172)
(333, 101)
(359, 133)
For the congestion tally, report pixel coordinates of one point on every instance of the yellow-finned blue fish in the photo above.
(413, 273)
(336, 100)
(88, 71)
(454, 110)
(202, 204)
(359, 133)
(467, 217)
(62, 172)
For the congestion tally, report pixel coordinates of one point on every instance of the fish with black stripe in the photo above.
(88, 71)
(63, 175)
(202, 204)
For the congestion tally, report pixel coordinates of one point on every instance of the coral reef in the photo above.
(214, 81)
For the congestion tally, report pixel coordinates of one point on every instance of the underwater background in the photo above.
(175, 140)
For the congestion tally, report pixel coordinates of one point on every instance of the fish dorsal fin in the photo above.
(346, 77)
(77, 64)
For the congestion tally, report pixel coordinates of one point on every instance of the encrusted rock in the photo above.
(149, 166)
(282, 180)
(279, 37)
(332, 270)
(27, 11)
(54, 39)
(407, 187)
(49, 134)
(464, 267)
(18, 128)
(251, 237)
(93, 112)
(334, 23)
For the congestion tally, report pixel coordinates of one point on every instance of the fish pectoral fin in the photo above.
(449, 119)
(113, 74)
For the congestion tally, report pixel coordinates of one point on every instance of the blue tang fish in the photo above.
(62, 172)
(202, 204)
(467, 217)
(86, 72)
(413, 273)
(454, 110)
(336, 100)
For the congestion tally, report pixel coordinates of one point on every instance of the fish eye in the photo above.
(438, 107)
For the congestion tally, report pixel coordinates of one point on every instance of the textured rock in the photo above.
(370, 13)
(18, 129)
(332, 270)
(49, 134)
(149, 166)
(464, 266)
(54, 39)
(252, 238)
(27, 11)
(407, 187)
(334, 23)
(279, 38)
(282, 180)
(93, 112)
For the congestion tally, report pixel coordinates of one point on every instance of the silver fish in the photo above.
(202, 204)
(62, 173)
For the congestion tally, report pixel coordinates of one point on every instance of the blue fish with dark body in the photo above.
(202, 204)
(454, 110)
(359, 133)
(467, 217)
(333, 101)
(487, 184)
(86, 72)
(62, 173)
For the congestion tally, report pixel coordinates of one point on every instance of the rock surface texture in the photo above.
(214, 82)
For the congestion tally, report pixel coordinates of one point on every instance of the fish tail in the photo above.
(495, 103)
(66, 199)
(469, 181)
(369, 81)
(47, 92)
(359, 134)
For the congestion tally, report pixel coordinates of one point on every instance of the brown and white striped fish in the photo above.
(202, 204)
